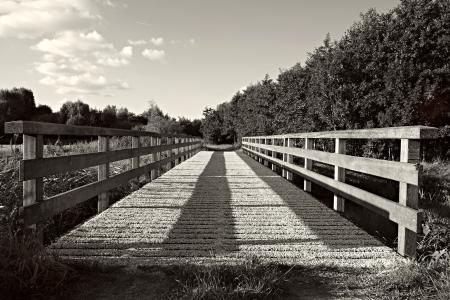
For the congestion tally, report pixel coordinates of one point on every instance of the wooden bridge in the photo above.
(219, 207)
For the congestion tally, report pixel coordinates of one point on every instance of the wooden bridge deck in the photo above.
(222, 207)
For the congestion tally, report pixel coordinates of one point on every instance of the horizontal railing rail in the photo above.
(34, 167)
(406, 172)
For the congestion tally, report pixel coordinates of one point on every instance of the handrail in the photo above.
(34, 166)
(406, 172)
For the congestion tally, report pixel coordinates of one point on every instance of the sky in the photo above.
(181, 55)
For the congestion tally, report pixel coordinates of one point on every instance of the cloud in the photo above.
(137, 42)
(154, 54)
(73, 62)
(158, 41)
(26, 19)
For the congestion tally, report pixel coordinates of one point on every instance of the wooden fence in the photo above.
(34, 166)
(280, 150)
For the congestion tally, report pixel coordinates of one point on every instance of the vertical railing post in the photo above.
(103, 174)
(408, 196)
(290, 159)
(158, 156)
(169, 153)
(339, 175)
(176, 150)
(284, 171)
(266, 152)
(308, 164)
(274, 154)
(153, 158)
(33, 190)
(135, 161)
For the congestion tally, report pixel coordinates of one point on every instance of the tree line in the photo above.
(19, 104)
(388, 69)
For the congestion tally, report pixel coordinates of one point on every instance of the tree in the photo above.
(75, 113)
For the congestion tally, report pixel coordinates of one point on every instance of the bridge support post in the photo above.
(409, 196)
(283, 170)
(339, 175)
(308, 164)
(266, 162)
(158, 157)
(168, 154)
(176, 151)
(103, 174)
(33, 190)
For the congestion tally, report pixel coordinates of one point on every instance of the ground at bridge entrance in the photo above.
(216, 209)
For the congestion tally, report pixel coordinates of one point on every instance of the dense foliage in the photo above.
(19, 104)
(389, 69)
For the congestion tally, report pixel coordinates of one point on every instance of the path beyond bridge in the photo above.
(222, 207)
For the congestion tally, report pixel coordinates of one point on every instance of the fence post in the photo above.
(290, 159)
(33, 190)
(408, 196)
(266, 152)
(103, 173)
(168, 153)
(308, 164)
(135, 144)
(283, 170)
(153, 158)
(274, 154)
(339, 175)
(158, 156)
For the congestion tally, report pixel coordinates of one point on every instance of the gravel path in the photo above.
(222, 207)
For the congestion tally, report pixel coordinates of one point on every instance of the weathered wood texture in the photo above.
(33, 167)
(222, 207)
(407, 172)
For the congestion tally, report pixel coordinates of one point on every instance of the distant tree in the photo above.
(109, 116)
(75, 113)
(16, 104)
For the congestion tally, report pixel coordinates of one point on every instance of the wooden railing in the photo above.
(407, 171)
(34, 166)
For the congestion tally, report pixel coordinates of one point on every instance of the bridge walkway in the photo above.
(222, 207)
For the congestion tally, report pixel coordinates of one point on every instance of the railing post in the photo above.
(266, 152)
(158, 156)
(339, 175)
(283, 170)
(408, 196)
(33, 190)
(169, 153)
(103, 174)
(135, 143)
(308, 164)
(290, 159)
(274, 154)
(153, 158)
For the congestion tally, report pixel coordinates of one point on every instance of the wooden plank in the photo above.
(400, 214)
(339, 175)
(63, 201)
(405, 132)
(43, 167)
(103, 174)
(409, 197)
(398, 171)
(33, 128)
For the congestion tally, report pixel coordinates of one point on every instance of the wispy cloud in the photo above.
(73, 62)
(154, 54)
(157, 41)
(26, 19)
(137, 42)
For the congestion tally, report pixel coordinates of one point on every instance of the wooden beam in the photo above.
(398, 171)
(43, 167)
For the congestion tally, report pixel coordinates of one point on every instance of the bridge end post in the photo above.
(409, 196)
(103, 174)
(308, 164)
(339, 175)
